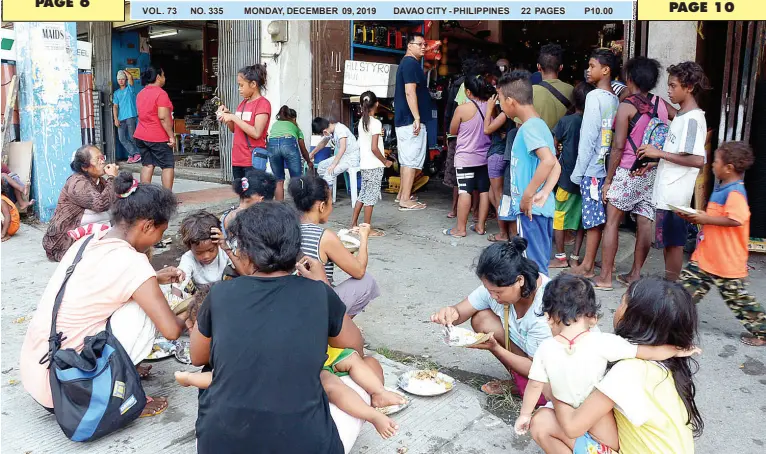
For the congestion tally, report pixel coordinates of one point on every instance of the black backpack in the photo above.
(98, 390)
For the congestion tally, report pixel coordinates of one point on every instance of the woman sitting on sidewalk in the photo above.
(508, 279)
(313, 197)
(267, 351)
(113, 282)
(85, 199)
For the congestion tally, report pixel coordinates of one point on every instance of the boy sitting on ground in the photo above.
(339, 363)
(205, 261)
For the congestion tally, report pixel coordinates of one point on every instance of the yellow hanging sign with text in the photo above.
(63, 10)
(702, 10)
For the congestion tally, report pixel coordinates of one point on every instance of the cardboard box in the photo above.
(361, 76)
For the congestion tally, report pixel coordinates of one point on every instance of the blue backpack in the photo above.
(98, 390)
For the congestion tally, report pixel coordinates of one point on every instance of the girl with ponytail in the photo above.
(510, 294)
(372, 161)
(249, 122)
(285, 147)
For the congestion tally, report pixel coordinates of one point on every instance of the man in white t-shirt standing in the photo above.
(679, 162)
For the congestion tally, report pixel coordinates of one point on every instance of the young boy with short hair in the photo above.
(595, 142)
(347, 153)
(205, 261)
(720, 259)
(534, 169)
(679, 163)
(568, 214)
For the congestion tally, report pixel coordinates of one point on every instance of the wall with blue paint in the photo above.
(49, 105)
(126, 54)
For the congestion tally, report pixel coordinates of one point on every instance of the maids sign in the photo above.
(84, 52)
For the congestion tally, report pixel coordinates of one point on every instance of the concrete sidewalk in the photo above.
(419, 271)
(445, 424)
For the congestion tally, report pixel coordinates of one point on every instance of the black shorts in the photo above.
(670, 230)
(158, 154)
(239, 172)
(471, 179)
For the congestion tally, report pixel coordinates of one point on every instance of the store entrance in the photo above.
(187, 52)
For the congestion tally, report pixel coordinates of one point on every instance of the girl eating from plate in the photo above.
(313, 198)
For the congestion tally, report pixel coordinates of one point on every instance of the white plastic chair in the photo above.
(353, 173)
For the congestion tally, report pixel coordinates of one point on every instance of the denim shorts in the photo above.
(284, 154)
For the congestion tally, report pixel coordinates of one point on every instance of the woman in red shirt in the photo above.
(154, 133)
(250, 123)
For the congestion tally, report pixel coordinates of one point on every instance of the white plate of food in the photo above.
(161, 349)
(456, 336)
(684, 210)
(426, 382)
(391, 409)
(349, 241)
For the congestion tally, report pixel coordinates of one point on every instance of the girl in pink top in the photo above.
(114, 281)
(627, 191)
(471, 155)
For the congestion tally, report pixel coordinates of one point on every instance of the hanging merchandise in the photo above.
(433, 50)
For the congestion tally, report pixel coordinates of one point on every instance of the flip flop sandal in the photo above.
(493, 239)
(752, 341)
(473, 229)
(599, 287)
(622, 279)
(451, 215)
(499, 387)
(159, 411)
(448, 232)
(413, 198)
(417, 207)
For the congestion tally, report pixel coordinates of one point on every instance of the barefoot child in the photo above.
(720, 259)
(574, 360)
(595, 142)
(568, 214)
(342, 362)
(339, 363)
(372, 162)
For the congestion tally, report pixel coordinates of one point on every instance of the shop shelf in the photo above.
(386, 50)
